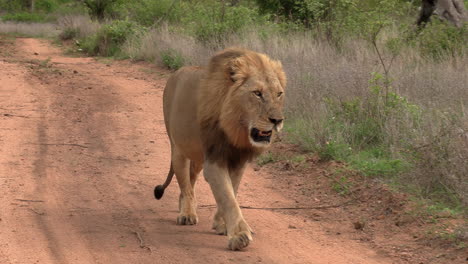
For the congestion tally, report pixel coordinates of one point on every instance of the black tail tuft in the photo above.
(158, 192)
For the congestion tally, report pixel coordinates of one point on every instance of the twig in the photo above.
(10, 115)
(107, 158)
(288, 208)
(33, 201)
(142, 243)
(11, 109)
(298, 208)
(59, 144)
(39, 213)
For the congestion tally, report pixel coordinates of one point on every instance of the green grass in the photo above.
(266, 158)
(342, 185)
(25, 17)
(375, 162)
(299, 132)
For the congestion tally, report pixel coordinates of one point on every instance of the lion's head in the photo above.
(243, 94)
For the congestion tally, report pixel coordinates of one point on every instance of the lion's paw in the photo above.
(220, 227)
(240, 240)
(239, 236)
(187, 219)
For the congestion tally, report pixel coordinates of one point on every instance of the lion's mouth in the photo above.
(260, 136)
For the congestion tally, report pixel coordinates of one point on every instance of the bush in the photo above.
(47, 6)
(172, 59)
(147, 12)
(101, 9)
(69, 33)
(11, 6)
(213, 22)
(438, 40)
(110, 38)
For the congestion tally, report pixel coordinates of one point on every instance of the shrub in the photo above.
(11, 6)
(69, 33)
(172, 59)
(439, 40)
(110, 37)
(46, 6)
(147, 12)
(100, 9)
(214, 21)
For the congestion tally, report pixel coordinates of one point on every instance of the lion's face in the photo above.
(262, 102)
(257, 100)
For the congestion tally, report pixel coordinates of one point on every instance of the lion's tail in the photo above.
(159, 190)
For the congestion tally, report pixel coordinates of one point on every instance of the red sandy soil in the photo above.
(82, 146)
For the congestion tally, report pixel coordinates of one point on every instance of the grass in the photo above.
(25, 17)
(29, 29)
(372, 162)
(342, 185)
(265, 158)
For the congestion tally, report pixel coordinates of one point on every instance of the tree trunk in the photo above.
(450, 10)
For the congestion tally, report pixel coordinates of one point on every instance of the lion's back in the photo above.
(180, 106)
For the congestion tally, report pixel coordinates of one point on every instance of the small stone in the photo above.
(358, 225)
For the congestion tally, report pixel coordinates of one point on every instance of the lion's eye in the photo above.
(280, 94)
(258, 93)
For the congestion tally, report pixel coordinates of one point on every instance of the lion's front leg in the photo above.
(218, 222)
(238, 230)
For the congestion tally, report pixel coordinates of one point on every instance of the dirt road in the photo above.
(82, 146)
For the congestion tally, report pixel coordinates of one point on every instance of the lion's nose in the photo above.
(275, 121)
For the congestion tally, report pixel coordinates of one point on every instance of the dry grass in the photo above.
(150, 45)
(82, 24)
(30, 29)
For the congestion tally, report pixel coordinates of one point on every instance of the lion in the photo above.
(218, 118)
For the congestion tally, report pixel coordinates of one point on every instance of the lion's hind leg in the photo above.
(195, 169)
(187, 203)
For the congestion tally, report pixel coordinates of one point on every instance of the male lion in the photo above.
(218, 118)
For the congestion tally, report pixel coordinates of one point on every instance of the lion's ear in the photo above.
(237, 70)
